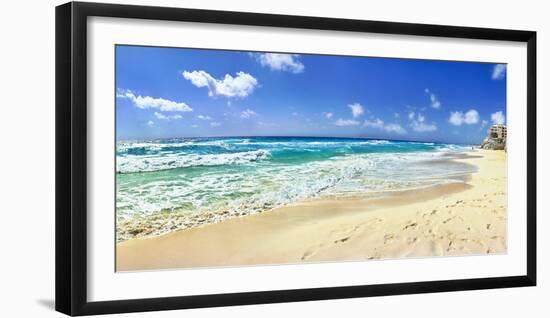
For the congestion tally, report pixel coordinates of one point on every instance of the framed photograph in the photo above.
(208, 158)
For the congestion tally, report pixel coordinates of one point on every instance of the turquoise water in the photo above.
(244, 175)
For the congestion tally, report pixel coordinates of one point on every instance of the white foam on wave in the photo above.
(129, 164)
(158, 145)
(195, 200)
(268, 186)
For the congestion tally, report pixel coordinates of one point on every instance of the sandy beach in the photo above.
(454, 219)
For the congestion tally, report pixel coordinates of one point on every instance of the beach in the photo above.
(449, 219)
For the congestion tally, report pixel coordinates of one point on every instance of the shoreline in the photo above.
(163, 223)
(450, 219)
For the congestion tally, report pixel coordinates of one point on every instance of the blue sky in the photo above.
(172, 92)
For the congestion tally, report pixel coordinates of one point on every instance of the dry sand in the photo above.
(453, 219)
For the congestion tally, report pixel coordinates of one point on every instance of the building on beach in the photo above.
(498, 131)
(496, 138)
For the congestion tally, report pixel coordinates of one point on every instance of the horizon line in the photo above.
(290, 136)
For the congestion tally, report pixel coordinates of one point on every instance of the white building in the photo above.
(498, 132)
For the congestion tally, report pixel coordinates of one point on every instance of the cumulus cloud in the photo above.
(215, 124)
(280, 62)
(146, 102)
(346, 122)
(203, 117)
(328, 115)
(418, 123)
(499, 71)
(498, 118)
(423, 127)
(166, 117)
(395, 128)
(375, 123)
(267, 124)
(160, 115)
(356, 109)
(242, 85)
(483, 124)
(150, 123)
(434, 101)
(247, 113)
(379, 124)
(469, 118)
(456, 118)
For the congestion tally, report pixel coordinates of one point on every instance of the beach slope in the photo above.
(454, 219)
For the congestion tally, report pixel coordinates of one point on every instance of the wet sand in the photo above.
(454, 219)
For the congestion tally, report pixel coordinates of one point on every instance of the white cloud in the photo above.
(499, 71)
(203, 117)
(267, 124)
(294, 114)
(150, 123)
(395, 128)
(483, 124)
(379, 124)
(375, 123)
(167, 117)
(346, 122)
(328, 115)
(248, 113)
(194, 126)
(145, 102)
(419, 124)
(356, 109)
(435, 103)
(281, 62)
(160, 115)
(423, 127)
(241, 85)
(215, 124)
(469, 118)
(456, 118)
(498, 118)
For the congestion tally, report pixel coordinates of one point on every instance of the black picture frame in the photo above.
(71, 157)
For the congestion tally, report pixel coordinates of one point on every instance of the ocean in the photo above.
(168, 184)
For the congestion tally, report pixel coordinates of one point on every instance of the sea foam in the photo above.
(188, 183)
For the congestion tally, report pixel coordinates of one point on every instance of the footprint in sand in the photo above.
(410, 225)
(308, 254)
(388, 238)
(412, 240)
(448, 220)
(342, 240)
